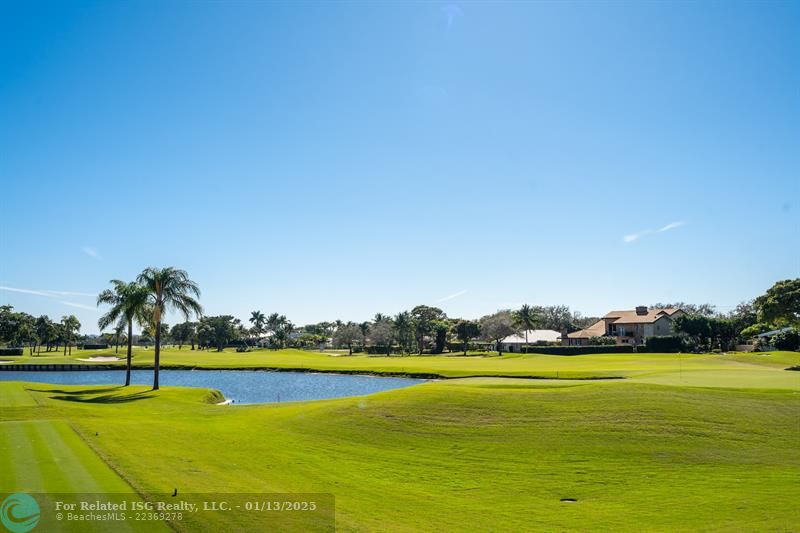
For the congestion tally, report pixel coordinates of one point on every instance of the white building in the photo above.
(514, 343)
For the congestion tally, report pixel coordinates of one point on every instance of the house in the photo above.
(514, 343)
(627, 327)
(764, 340)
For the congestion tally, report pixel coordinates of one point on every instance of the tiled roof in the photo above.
(630, 317)
(598, 329)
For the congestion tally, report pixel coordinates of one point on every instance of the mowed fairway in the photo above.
(464, 455)
(47, 456)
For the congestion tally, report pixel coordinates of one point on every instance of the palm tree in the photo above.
(364, 327)
(258, 320)
(526, 317)
(128, 302)
(119, 331)
(69, 326)
(404, 327)
(168, 288)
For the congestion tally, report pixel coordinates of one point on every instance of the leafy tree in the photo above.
(220, 330)
(743, 317)
(781, 303)
(706, 310)
(697, 328)
(168, 288)
(183, 333)
(497, 327)
(347, 335)
(441, 329)
(723, 332)
(787, 340)
(8, 323)
(205, 335)
(26, 331)
(128, 302)
(556, 317)
(465, 331)
(526, 318)
(382, 335)
(425, 320)
(756, 329)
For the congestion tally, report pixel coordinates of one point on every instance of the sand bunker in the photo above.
(101, 359)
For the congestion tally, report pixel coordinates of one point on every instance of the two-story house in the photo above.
(627, 327)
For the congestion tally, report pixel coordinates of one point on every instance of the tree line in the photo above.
(422, 329)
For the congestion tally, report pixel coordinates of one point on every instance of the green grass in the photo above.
(707, 370)
(15, 395)
(47, 456)
(456, 455)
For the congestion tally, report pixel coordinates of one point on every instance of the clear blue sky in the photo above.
(332, 160)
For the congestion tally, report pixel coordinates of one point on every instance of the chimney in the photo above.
(641, 309)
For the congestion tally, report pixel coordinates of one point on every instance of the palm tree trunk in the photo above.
(157, 360)
(130, 350)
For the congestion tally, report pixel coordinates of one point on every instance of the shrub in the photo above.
(787, 340)
(11, 351)
(602, 341)
(472, 347)
(664, 344)
(94, 346)
(576, 350)
(379, 350)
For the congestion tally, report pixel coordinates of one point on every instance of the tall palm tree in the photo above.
(70, 326)
(128, 302)
(168, 288)
(527, 318)
(258, 320)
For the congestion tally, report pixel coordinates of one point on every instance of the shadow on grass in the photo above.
(71, 391)
(77, 396)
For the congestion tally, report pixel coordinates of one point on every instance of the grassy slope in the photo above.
(474, 454)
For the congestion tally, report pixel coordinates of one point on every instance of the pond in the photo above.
(241, 386)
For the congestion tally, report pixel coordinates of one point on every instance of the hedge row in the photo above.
(11, 351)
(95, 346)
(665, 344)
(576, 350)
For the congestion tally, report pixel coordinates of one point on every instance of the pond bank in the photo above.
(411, 375)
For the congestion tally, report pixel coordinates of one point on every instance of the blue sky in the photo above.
(333, 160)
